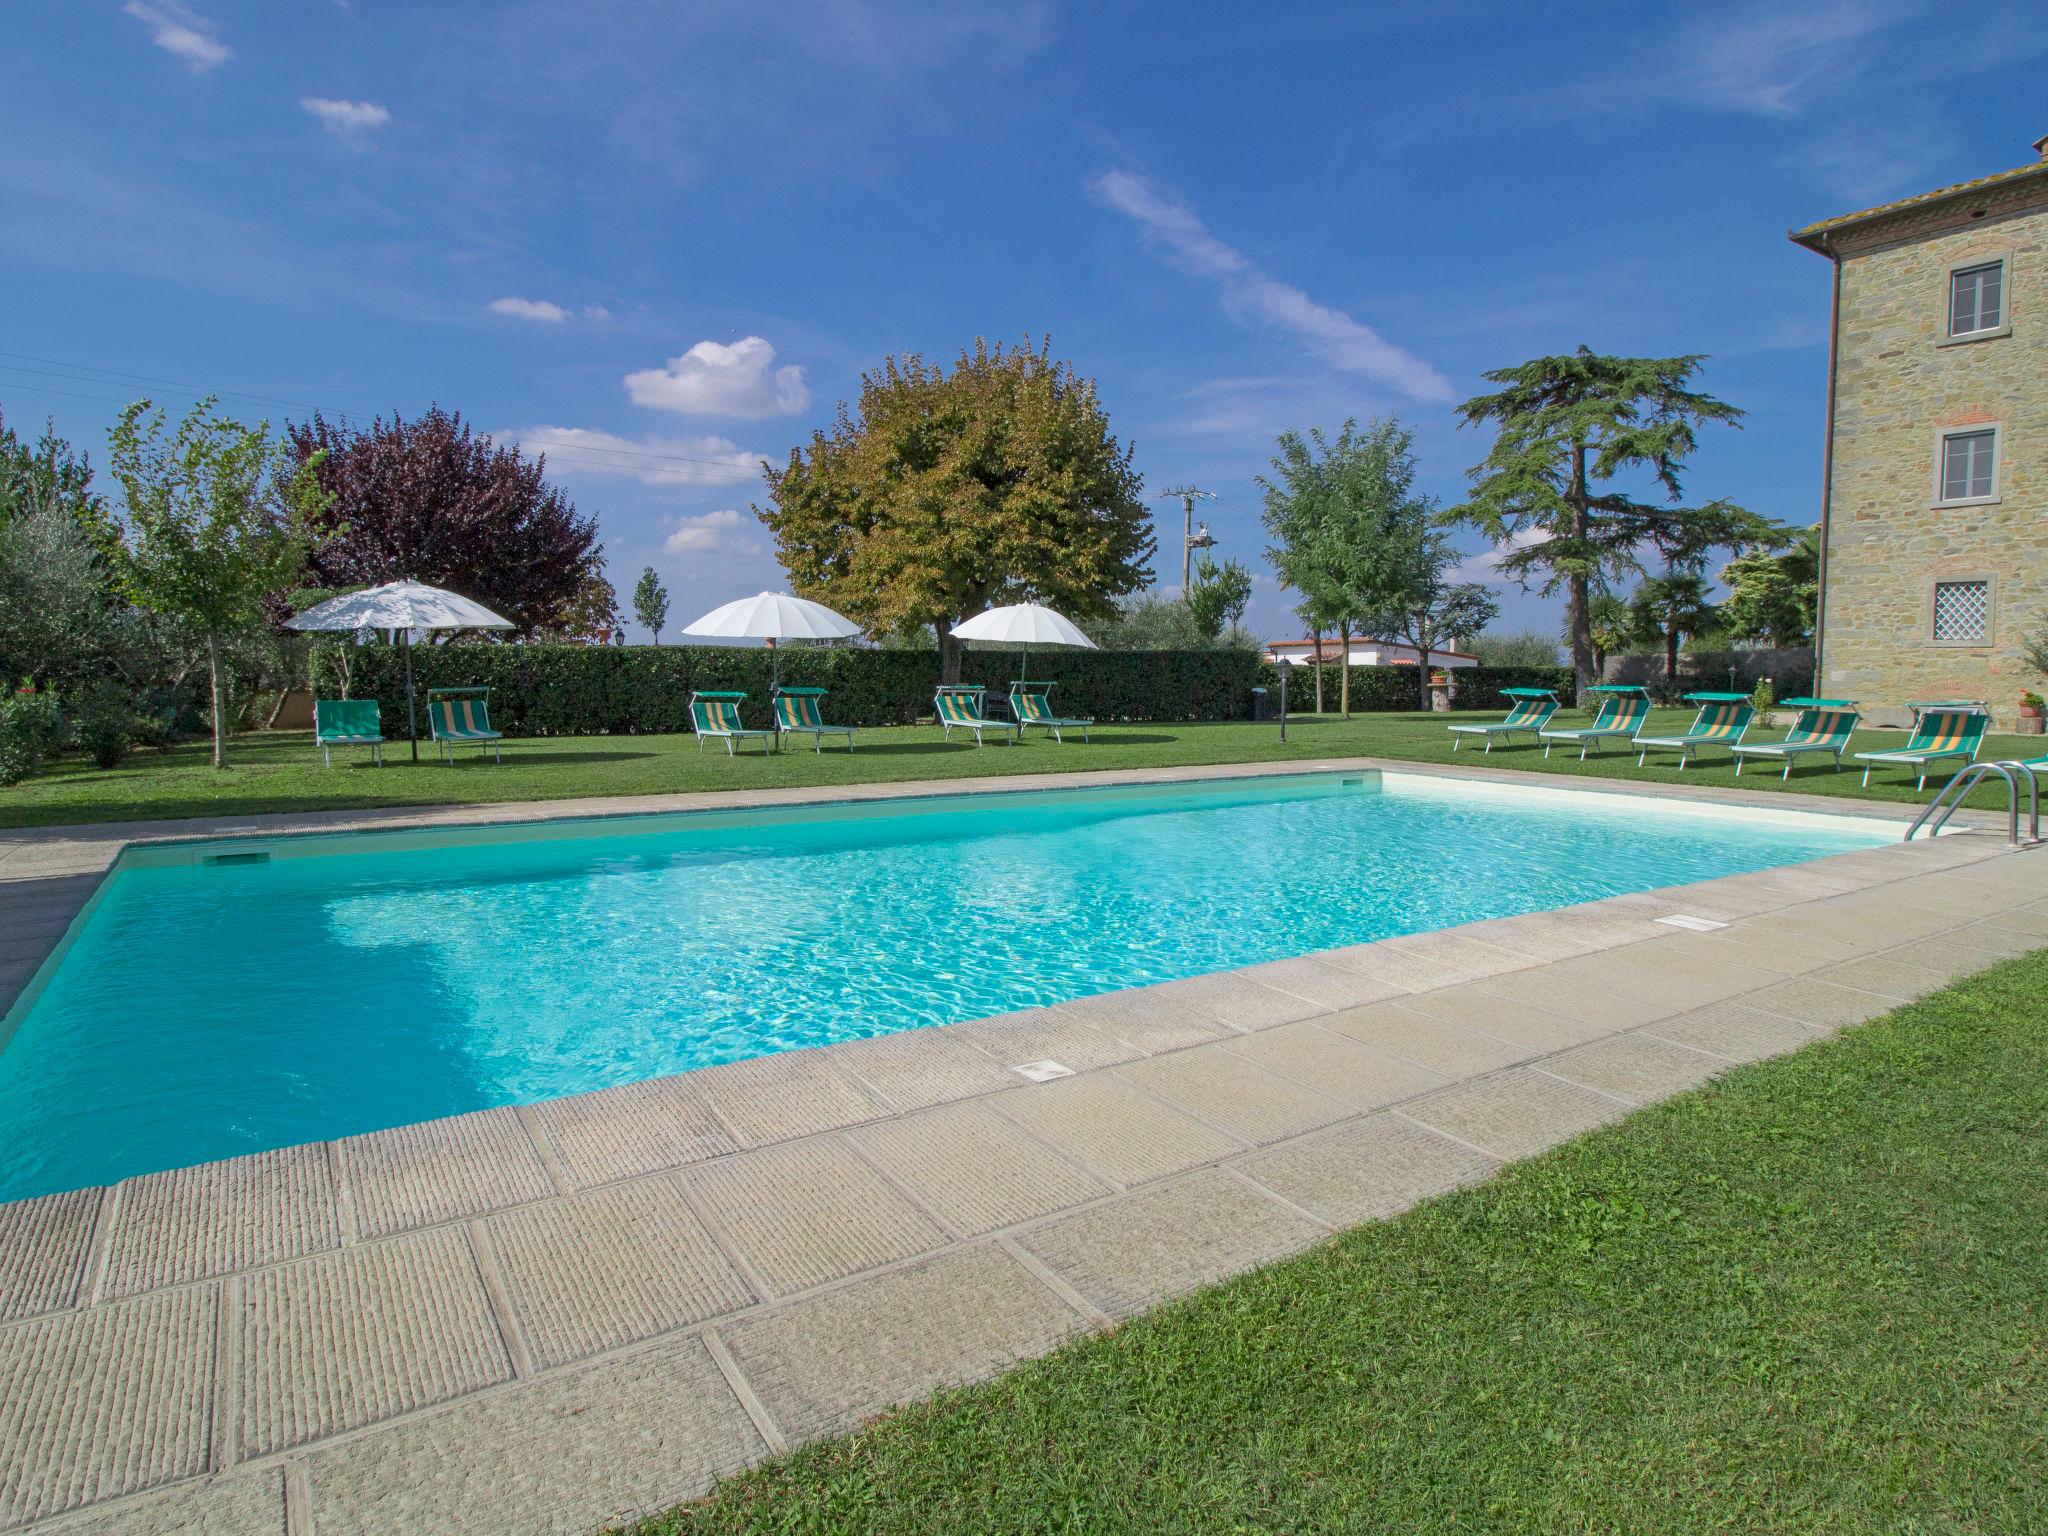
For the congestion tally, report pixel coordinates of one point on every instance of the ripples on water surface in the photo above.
(209, 1011)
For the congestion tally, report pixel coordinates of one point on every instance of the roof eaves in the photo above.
(1815, 237)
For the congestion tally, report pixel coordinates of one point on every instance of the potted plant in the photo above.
(2032, 714)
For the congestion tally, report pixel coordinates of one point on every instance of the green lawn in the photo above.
(282, 771)
(1811, 1297)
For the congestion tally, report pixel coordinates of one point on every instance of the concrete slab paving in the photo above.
(1145, 1247)
(1516, 1113)
(241, 1503)
(1432, 1043)
(105, 1402)
(344, 1339)
(1734, 1031)
(1046, 1034)
(1228, 1091)
(610, 1267)
(918, 1068)
(827, 1363)
(573, 1453)
(1335, 1063)
(1635, 1066)
(635, 1128)
(1328, 987)
(800, 1216)
(1529, 1025)
(974, 1170)
(190, 1223)
(775, 1098)
(43, 1244)
(1184, 1013)
(1114, 1129)
(1365, 1170)
(1824, 1004)
(440, 1170)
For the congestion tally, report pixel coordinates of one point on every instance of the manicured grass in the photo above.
(1810, 1297)
(282, 771)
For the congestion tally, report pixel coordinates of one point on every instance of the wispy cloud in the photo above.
(722, 532)
(1250, 294)
(529, 309)
(707, 460)
(1765, 58)
(181, 32)
(712, 379)
(352, 122)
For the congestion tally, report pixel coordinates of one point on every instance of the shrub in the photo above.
(29, 722)
(103, 723)
(579, 690)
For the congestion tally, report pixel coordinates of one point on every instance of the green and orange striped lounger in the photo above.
(1623, 709)
(958, 706)
(1942, 732)
(796, 713)
(456, 715)
(1031, 704)
(1723, 720)
(718, 715)
(1821, 728)
(1531, 711)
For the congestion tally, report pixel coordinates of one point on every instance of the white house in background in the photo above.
(1365, 652)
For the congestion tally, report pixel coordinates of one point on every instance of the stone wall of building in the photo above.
(1897, 386)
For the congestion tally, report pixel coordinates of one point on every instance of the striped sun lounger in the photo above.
(1723, 720)
(347, 723)
(1821, 728)
(958, 706)
(1623, 709)
(1031, 704)
(1532, 710)
(1948, 731)
(456, 715)
(718, 715)
(796, 713)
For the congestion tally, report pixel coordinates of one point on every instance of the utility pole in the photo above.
(1189, 541)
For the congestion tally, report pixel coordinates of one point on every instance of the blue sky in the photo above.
(664, 241)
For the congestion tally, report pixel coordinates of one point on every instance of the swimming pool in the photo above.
(221, 998)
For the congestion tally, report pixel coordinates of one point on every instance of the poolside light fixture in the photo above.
(400, 606)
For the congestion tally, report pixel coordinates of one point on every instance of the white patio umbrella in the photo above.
(400, 605)
(1023, 625)
(773, 616)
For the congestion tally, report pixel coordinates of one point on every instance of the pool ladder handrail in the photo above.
(1953, 793)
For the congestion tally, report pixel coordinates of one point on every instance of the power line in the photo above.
(1189, 495)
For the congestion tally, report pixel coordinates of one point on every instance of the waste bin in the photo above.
(1261, 710)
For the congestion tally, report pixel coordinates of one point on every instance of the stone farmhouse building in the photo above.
(1934, 519)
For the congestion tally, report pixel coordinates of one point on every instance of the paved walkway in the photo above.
(561, 1316)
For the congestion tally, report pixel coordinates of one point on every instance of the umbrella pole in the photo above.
(412, 725)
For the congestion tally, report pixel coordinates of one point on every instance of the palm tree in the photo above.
(1672, 605)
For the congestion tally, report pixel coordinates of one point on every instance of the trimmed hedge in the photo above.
(1394, 690)
(589, 690)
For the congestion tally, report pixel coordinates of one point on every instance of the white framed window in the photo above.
(1966, 466)
(1962, 612)
(1976, 298)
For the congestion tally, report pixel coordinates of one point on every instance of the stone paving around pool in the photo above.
(561, 1316)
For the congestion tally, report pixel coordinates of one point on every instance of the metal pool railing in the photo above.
(1953, 793)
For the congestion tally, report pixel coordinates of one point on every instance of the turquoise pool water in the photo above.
(350, 983)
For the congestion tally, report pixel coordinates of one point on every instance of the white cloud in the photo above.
(596, 314)
(529, 309)
(650, 460)
(180, 32)
(350, 121)
(722, 532)
(1766, 58)
(715, 380)
(1344, 343)
(1486, 566)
